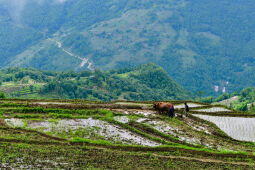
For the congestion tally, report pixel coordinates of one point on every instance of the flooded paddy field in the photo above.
(88, 135)
(84, 128)
(133, 103)
(236, 127)
(191, 105)
(214, 109)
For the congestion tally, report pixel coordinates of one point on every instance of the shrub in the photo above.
(241, 106)
(2, 95)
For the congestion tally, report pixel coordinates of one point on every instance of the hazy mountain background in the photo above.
(203, 45)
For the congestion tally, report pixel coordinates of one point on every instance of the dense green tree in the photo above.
(222, 97)
(208, 99)
(241, 106)
(2, 95)
(200, 94)
(147, 82)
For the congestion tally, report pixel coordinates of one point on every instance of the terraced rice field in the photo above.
(237, 127)
(191, 105)
(79, 134)
(84, 128)
(214, 109)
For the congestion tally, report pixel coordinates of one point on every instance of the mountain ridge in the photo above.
(202, 45)
(145, 82)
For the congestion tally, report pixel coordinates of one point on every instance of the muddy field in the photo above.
(44, 133)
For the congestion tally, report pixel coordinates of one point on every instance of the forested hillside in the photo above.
(146, 82)
(246, 101)
(203, 45)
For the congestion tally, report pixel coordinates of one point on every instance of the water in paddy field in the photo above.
(236, 127)
(109, 131)
(191, 105)
(214, 109)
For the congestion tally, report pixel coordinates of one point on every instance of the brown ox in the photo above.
(162, 107)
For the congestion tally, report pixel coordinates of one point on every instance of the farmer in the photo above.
(186, 109)
(171, 111)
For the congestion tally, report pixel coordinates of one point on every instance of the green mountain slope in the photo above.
(146, 82)
(203, 45)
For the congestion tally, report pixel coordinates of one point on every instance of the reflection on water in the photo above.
(214, 109)
(181, 106)
(236, 127)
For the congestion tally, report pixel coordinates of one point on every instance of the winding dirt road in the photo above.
(84, 60)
